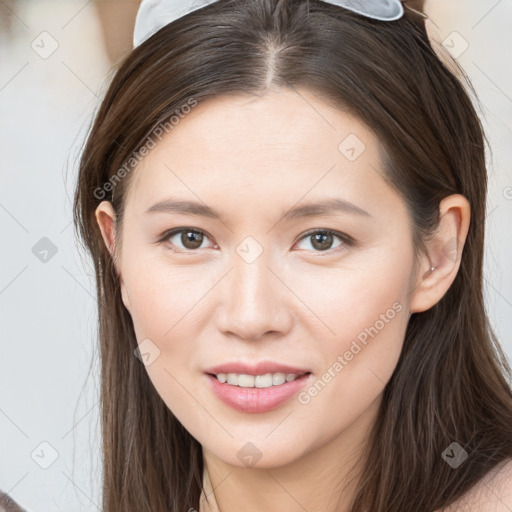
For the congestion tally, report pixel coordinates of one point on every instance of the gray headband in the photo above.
(155, 14)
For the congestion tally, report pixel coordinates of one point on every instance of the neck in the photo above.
(321, 479)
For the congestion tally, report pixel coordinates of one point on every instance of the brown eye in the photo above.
(323, 240)
(188, 238)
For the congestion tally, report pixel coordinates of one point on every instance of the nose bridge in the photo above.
(253, 301)
(251, 279)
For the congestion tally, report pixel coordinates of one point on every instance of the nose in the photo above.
(256, 302)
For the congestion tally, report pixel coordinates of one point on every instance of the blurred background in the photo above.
(56, 59)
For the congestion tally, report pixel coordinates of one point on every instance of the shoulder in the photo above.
(7, 504)
(493, 493)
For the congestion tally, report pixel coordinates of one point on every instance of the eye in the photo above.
(322, 240)
(191, 239)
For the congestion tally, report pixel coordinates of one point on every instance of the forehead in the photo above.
(284, 144)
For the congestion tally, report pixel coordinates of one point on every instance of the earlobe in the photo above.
(439, 266)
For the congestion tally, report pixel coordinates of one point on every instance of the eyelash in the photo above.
(347, 240)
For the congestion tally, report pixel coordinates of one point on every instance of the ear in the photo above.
(106, 218)
(438, 268)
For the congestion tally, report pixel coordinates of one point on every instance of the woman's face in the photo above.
(264, 281)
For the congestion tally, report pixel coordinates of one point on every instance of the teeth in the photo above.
(278, 378)
(259, 381)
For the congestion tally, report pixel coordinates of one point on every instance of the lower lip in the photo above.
(256, 400)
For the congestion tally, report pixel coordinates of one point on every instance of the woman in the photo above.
(284, 201)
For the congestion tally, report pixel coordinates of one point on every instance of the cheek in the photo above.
(170, 306)
(167, 306)
(365, 308)
(367, 314)
(164, 298)
(350, 300)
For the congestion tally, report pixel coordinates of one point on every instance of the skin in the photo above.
(252, 159)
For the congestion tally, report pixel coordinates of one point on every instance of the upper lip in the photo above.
(260, 368)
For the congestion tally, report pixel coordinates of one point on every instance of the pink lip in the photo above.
(256, 400)
(260, 368)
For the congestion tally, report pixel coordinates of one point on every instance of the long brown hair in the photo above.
(452, 381)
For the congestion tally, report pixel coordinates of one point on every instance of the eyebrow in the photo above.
(325, 207)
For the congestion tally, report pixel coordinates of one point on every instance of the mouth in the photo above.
(256, 393)
(267, 380)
